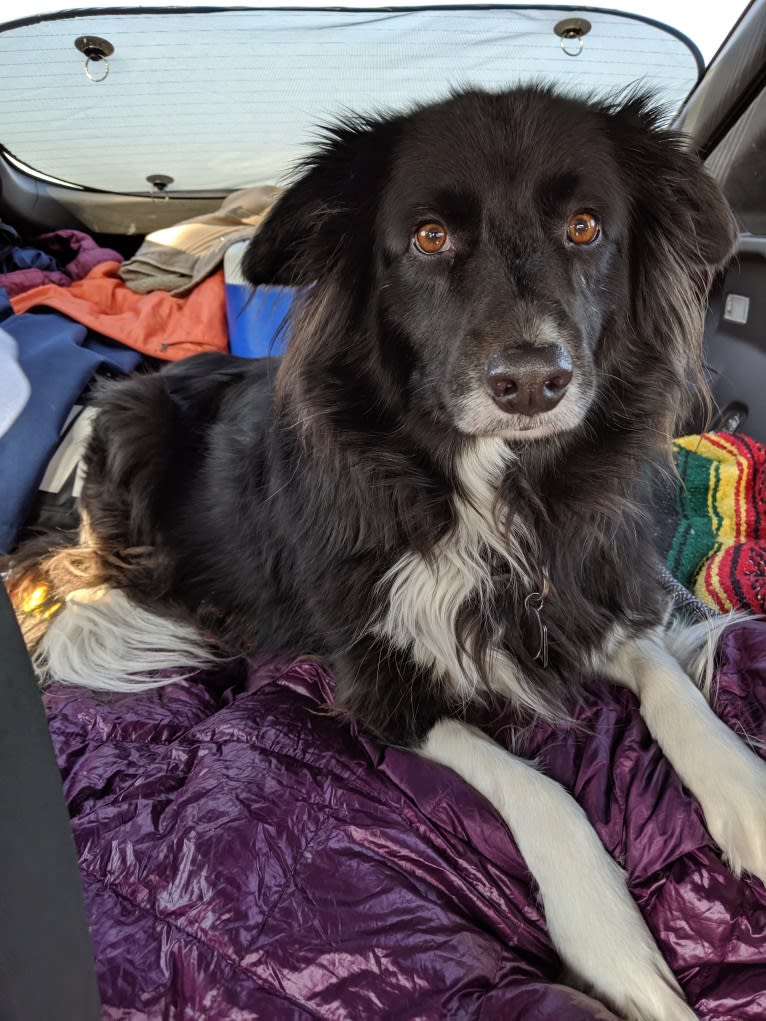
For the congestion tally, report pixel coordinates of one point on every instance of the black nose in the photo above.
(528, 380)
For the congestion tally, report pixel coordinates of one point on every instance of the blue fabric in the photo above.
(26, 257)
(6, 309)
(16, 255)
(59, 357)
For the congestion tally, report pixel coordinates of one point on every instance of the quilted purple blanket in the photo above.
(245, 854)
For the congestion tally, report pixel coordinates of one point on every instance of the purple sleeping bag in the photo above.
(246, 854)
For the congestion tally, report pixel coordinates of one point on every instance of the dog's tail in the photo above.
(97, 636)
(93, 603)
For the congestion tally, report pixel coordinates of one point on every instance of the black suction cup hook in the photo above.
(160, 184)
(571, 32)
(96, 51)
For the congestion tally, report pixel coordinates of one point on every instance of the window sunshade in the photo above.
(218, 100)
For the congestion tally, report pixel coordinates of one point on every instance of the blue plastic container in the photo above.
(257, 318)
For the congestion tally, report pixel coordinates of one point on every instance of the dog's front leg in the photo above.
(725, 776)
(593, 921)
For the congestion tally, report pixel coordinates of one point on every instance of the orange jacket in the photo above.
(156, 324)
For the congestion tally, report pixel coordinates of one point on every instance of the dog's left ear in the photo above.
(320, 219)
(682, 230)
(677, 203)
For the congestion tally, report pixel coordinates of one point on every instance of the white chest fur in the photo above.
(424, 595)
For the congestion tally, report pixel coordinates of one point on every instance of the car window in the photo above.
(739, 164)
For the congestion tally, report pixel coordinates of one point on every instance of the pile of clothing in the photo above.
(72, 311)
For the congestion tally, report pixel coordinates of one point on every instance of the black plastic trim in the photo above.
(46, 958)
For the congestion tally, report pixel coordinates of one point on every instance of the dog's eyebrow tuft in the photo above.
(555, 191)
(460, 208)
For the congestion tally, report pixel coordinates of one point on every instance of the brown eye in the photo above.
(431, 238)
(583, 228)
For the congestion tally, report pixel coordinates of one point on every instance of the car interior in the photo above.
(726, 117)
(118, 123)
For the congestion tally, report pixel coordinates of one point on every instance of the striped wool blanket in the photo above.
(713, 535)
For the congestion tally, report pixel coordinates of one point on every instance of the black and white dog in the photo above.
(441, 487)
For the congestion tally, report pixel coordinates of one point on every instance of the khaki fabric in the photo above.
(176, 259)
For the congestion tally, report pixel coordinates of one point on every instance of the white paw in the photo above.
(607, 948)
(650, 998)
(594, 923)
(643, 989)
(732, 793)
(724, 775)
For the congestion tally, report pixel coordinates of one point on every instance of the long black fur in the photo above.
(267, 499)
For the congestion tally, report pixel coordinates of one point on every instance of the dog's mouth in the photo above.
(537, 430)
(531, 430)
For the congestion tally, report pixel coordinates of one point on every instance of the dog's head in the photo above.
(501, 264)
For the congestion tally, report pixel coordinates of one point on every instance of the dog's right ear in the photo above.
(316, 222)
